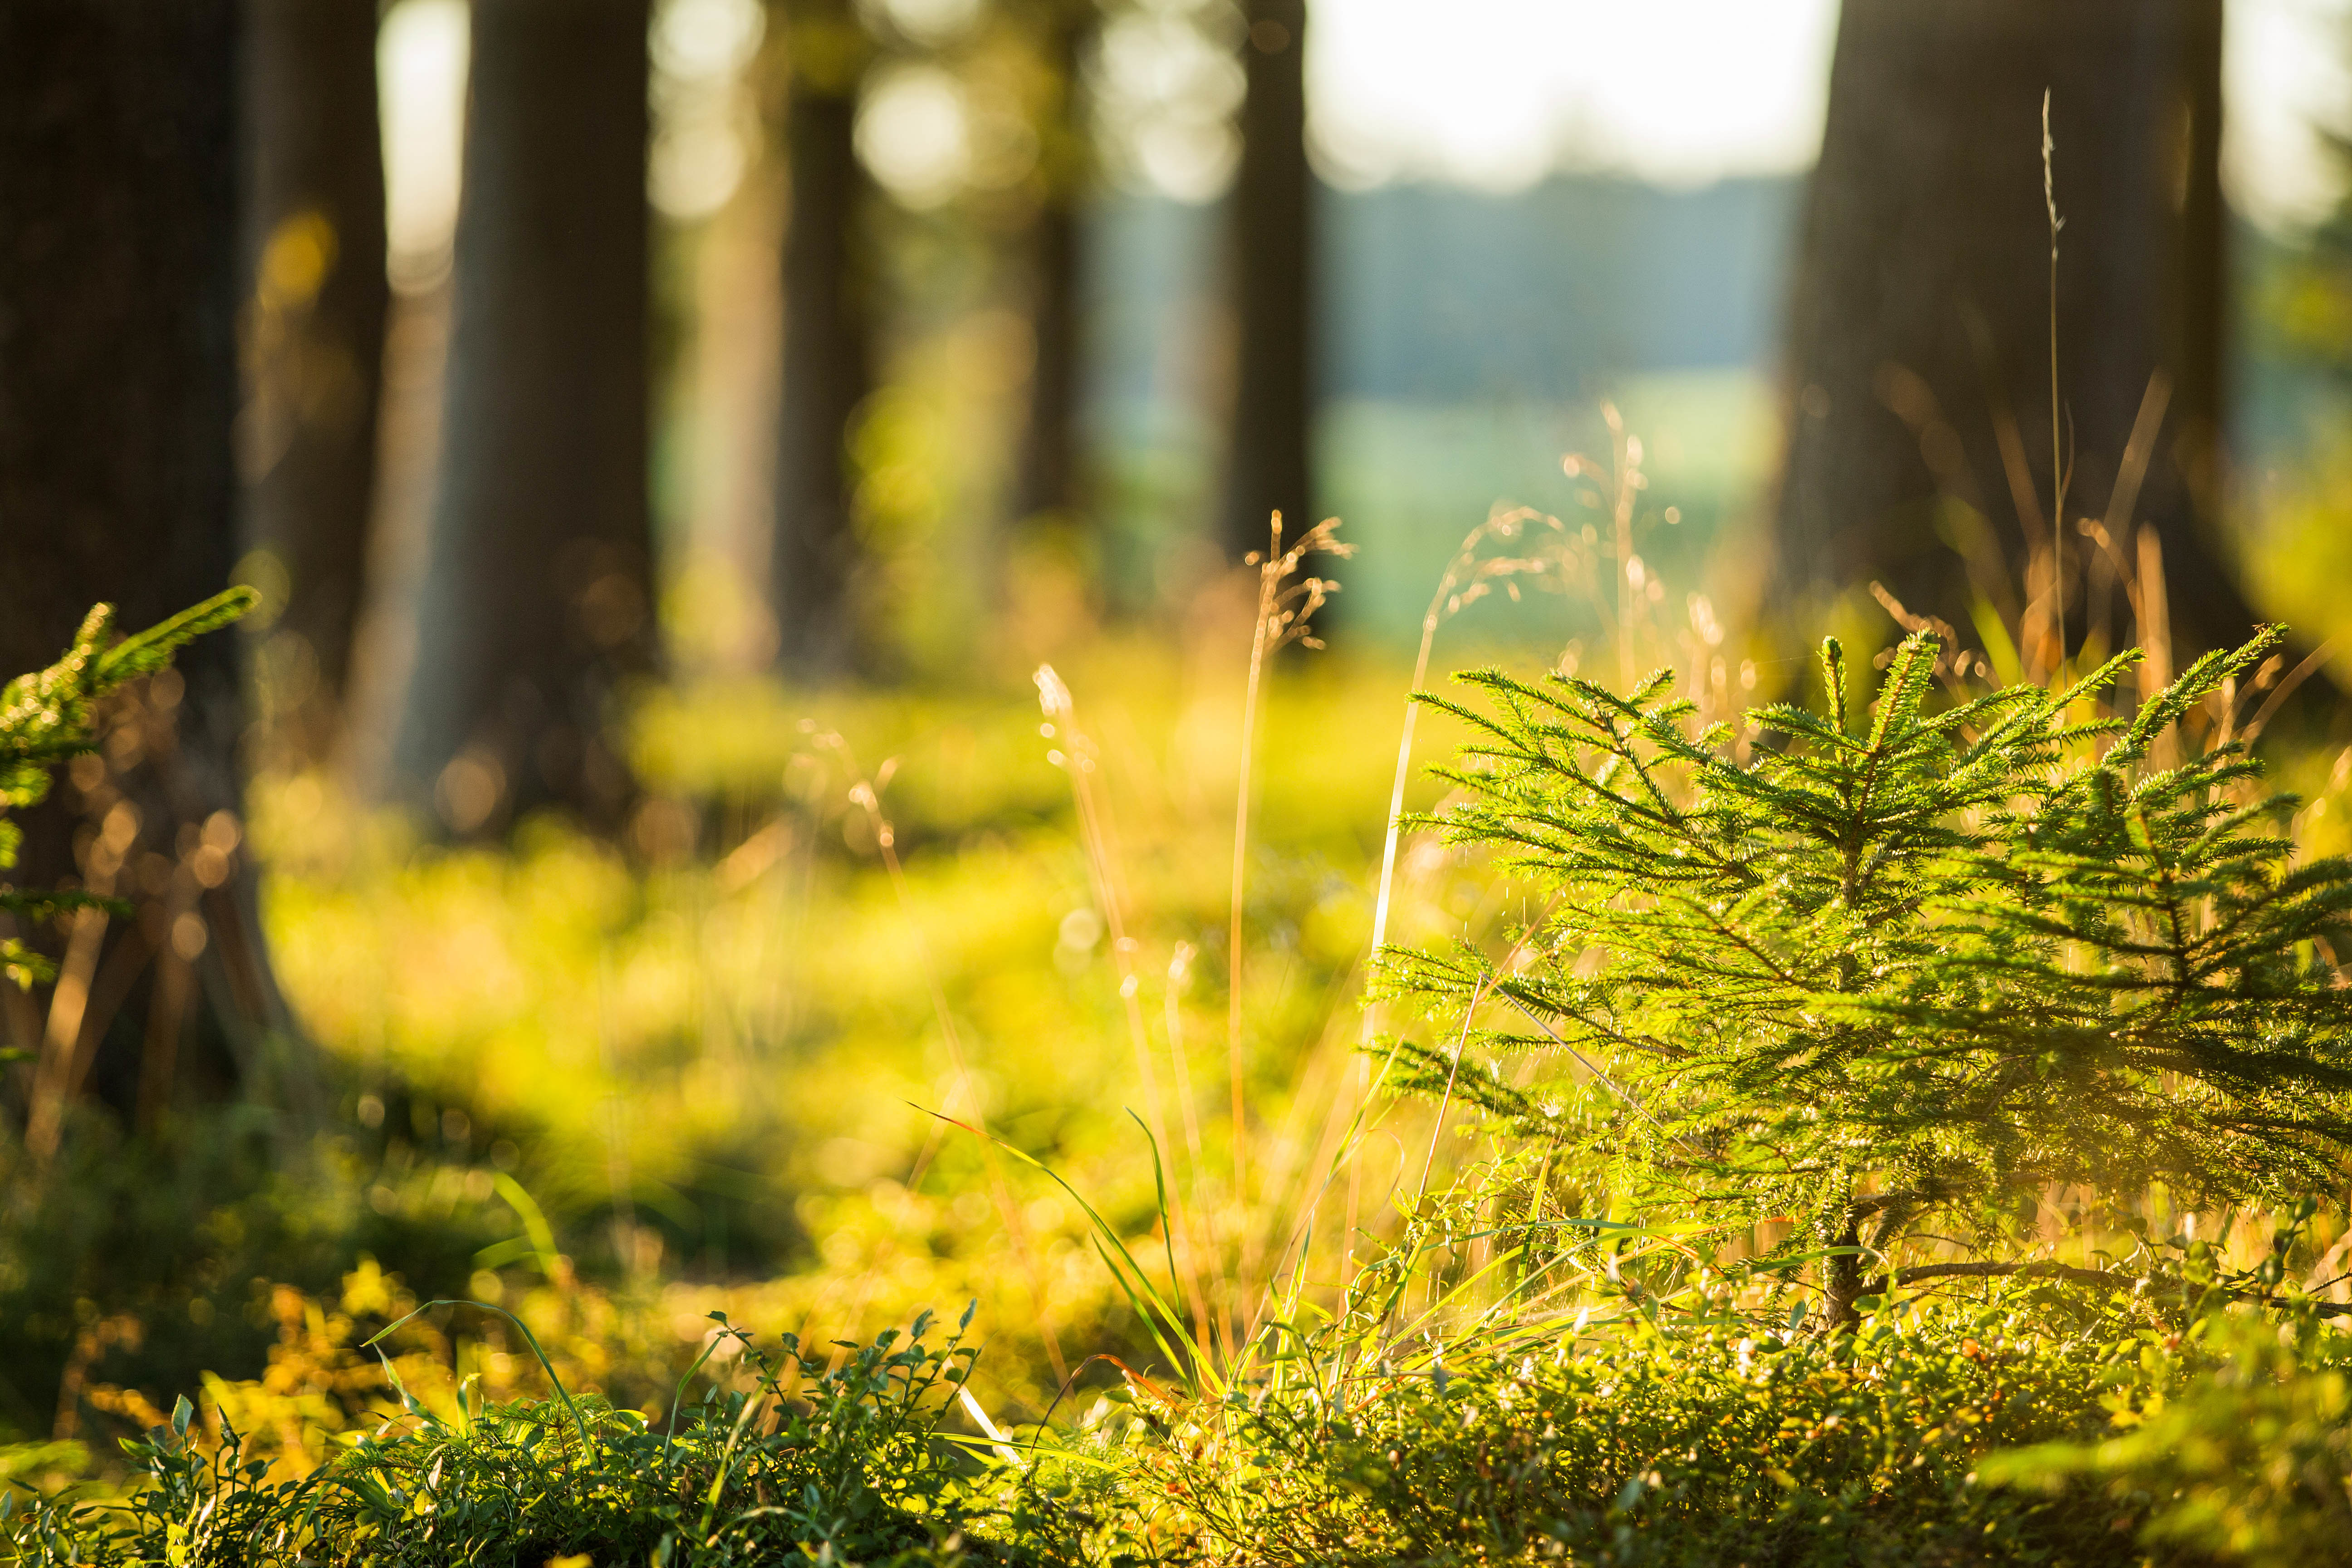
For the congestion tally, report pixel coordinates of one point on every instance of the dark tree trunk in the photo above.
(1049, 482)
(828, 357)
(538, 595)
(1049, 478)
(1920, 338)
(117, 392)
(1844, 1285)
(313, 331)
(1271, 459)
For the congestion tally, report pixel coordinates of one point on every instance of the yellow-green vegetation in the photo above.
(1892, 971)
(727, 1065)
(2138, 1428)
(653, 1156)
(48, 716)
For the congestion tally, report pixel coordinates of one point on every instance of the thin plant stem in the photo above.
(1267, 583)
(1363, 1086)
(1077, 761)
(1462, 571)
(866, 794)
(1466, 572)
(1178, 963)
(62, 1065)
(1286, 604)
(2057, 458)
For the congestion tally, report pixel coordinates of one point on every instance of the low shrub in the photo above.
(2239, 1449)
(2019, 1428)
(1662, 1446)
(846, 1462)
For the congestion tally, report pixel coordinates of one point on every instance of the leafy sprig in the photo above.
(49, 717)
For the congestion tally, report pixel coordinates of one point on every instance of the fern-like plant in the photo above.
(49, 717)
(1903, 967)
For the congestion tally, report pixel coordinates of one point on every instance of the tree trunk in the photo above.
(1918, 372)
(537, 604)
(118, 391)
(828, 357)
(1842, 1285)
(1272, 254)
(1048, 482)
(313, 331)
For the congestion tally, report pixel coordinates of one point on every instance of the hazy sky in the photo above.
(2284, 71)
(1502, 90)
(1686, 90)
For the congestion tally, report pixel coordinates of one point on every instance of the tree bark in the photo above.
(1049, 478)
(537, 605)
(313, 333)
(1842, 1285)
(1272, 255)
(829, 355)
(1918, 372)
(119, 291)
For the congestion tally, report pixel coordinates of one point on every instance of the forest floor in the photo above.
(646, 1161)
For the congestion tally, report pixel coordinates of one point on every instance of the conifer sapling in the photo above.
(1903, 968)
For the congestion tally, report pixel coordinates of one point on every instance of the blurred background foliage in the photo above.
(635, 476)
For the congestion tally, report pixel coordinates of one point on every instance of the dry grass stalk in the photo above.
(1076, 756)
(2057, 456)
(1616, 487)
(1287, 603)
(865, 793)
(1470, 577)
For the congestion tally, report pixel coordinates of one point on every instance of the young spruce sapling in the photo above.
(1904, 967)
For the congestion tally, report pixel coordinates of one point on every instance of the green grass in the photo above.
(611, 1088)
(848, 1464)
(2022, 1427)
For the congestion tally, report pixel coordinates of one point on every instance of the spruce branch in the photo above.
(49, 717)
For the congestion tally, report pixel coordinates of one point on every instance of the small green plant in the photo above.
(49, 717)
(2232, 1439)
(1665, 1448)
(197, 1506)
(783, 1454)
(1902, 970)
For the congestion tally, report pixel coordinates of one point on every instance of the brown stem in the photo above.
(1269, 586)
(2044, 1269)
(1845, 1284)
(2036, 1270)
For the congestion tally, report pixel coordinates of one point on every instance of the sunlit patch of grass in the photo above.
(842, 1031)
(714, 1058)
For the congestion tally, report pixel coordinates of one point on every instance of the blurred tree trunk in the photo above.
(313, 332)
(538, 603)
(117, 392)
(1918, 373)
(828, 357)
(1048, 483)
(1272, 255)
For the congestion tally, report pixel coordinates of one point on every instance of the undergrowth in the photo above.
(1390, 1337)
(843, 1460)
(2021, 1425)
